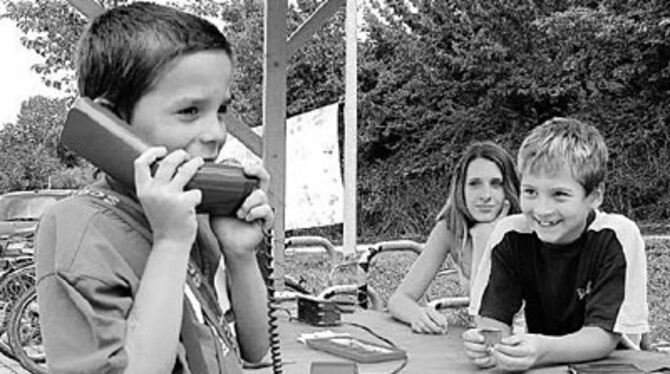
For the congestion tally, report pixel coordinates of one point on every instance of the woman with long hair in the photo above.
(484, 188)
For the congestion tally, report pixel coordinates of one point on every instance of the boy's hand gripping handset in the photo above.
(98, 135)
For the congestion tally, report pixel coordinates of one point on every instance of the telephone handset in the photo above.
(95, 133)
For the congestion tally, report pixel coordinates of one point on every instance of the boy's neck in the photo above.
(117, 186)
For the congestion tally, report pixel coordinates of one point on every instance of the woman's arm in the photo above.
(403, 304)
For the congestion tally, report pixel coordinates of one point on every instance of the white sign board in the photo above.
(314, 187)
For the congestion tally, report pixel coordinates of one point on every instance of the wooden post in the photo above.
(312, 25)
(89, 8)
(274, 121)
(350, 130)
(244, 134)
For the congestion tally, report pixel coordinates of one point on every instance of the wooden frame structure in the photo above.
(272, 146)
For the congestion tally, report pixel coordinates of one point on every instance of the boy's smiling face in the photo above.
(184, 108)
(556, 205)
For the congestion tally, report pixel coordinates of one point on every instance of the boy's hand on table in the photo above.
(517, 352)
(476, 350)
(239, 236)
(429, 321)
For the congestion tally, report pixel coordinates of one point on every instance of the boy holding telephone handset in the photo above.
(111, 299)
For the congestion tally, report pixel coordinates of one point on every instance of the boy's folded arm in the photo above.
(589, 343)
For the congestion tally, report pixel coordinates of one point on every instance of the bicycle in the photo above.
(21, 316)
(25, 338)
(367, 296)
(13, 284)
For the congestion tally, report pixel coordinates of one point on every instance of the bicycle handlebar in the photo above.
(312, 241)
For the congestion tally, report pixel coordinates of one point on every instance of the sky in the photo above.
(17, 81)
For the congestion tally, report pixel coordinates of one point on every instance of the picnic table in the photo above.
(426, 353)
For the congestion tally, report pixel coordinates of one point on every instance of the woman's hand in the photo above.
(169, 209)
(429, 321)
(239, 236)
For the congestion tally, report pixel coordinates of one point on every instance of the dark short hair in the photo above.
(124, 50)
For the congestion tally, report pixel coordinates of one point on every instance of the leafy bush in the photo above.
(438, 75)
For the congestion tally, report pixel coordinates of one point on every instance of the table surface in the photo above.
(426, 353)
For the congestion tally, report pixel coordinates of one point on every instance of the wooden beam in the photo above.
(312, 24)
(89, 8)
(350, 129)
(274, 122)
(243, 133)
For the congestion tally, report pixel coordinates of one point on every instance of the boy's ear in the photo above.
(597, 195)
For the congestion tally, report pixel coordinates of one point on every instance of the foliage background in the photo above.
(434, 75)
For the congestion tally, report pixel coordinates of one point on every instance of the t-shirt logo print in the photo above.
(582, 292)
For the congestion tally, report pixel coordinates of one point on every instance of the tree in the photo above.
(52, 29)
(437, 75)
(29, 149)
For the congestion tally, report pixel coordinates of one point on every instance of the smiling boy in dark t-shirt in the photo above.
(580, 273)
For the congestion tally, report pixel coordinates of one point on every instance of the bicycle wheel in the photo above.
(12, 285)
(25, 337)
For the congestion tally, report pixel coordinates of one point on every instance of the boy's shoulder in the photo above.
(93, 202)
(79, 222)
(515, 223)
(622, 229)
(618, 223)
(74, 211)
(72, 218)
(613, 221)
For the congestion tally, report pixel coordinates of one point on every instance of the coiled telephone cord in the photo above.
(273, 306)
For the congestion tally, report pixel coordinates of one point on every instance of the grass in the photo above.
(658, 288)
(388, 270)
